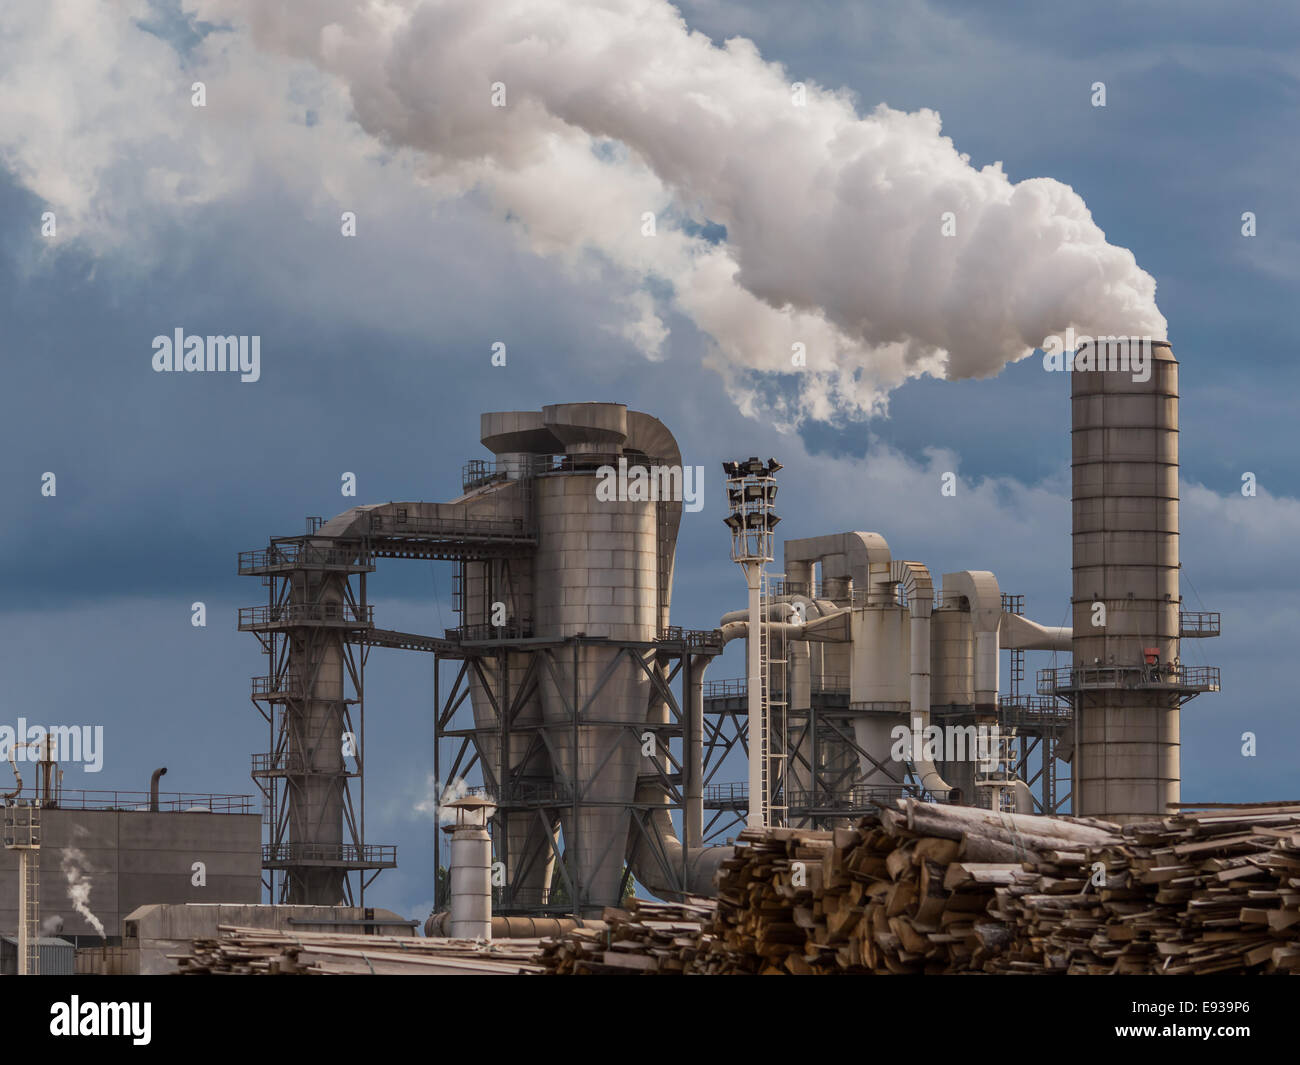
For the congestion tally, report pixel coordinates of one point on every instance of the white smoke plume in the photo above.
(72, 864)
(438, 797)
(833, 218)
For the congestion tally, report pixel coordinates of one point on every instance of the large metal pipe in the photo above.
(18, 778)
(693, 825)
(919, 590)
(1124, 477)
(757, 815)
(656, 863)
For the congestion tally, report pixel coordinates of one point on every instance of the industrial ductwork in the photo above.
(919, 593)
(980, 589)
(1020, 634)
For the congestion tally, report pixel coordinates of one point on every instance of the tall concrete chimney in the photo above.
(1125, 682)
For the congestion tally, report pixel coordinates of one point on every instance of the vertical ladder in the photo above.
(1015, 604)
(774, 754)
(30, 860)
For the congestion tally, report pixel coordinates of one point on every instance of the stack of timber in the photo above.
(260, 952)
(1203, 891)
(941, 889)
(907, 891)
(647, 938)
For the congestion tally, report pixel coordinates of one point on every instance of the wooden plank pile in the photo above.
(647, 938)
(263, 952)
(1205, 891)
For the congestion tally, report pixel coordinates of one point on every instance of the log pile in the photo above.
(647, 938)
(940, 889)
(262, 952)
(906, 892)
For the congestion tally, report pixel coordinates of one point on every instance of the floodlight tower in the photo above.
(22, 833)
(751, 495)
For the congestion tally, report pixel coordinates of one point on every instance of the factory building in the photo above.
(569, 699)
(102, 855)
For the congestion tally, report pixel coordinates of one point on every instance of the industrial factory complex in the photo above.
(582, 750)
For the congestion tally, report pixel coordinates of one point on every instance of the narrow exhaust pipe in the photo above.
(153, 789)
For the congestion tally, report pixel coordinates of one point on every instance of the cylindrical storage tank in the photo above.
(951, 664)
(470, 872)
(880, 664)
(1125, 545)
(880, 688)
(596, 575)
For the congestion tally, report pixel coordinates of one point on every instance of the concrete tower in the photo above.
(1127, 680)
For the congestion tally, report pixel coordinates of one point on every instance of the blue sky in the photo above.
(375, 359)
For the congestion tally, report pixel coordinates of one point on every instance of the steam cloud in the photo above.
(438, 798)
(79, 886)
(832, 219)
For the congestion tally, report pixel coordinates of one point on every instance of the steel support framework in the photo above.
(315, 614)
(678, 654)
(820, 741)
(316, 620)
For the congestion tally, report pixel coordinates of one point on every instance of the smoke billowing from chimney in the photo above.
(834, 220)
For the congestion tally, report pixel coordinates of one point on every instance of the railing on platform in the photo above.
(827, 684)
(727, 794)
(306, 614)
(168, 802)
(293, 555)
(1086, 678)
(285, 684)
(529, 792)
(479, 472)
(402, 523)
(692, 638)
(370, 855)
(522, 629)
(1197, 624)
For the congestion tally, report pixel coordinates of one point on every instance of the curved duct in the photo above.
(153, 787)
(980, 588)
(862, 557)
(587, 428)
(919, 589)
(18, 779)
(780, 609)
(651, 868)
